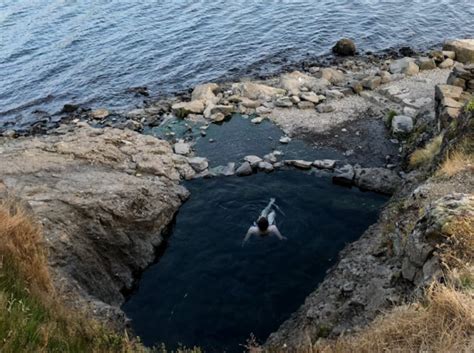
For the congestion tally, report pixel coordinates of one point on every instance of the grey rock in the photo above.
(344, 175)
(402, 124)
(271, 158)
(199, 164)
(371, 82)
(325, 164)
(253, 160)
(283, 102)
(463, 48)
(325, 108)
(405, 66)
(425, 63)
(257, 120)
(285, 140)
(182, 148)
(183, 109)
(229, 169)
(295, 99)
(244, 169)
(265, 167)
(299, 163)
(447, 91)
(9, 133)
(385, 76)
(100, 114)
(334, 93)
(449, 54)
(105, 199)
(446, 63)
(305, 105)
(310, 97)
(380, 180)
(263, 110)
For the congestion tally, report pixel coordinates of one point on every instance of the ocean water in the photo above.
(92, 52)
(209, 290)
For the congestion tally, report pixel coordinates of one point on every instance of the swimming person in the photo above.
(265, 224)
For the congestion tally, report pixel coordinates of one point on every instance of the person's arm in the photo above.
(275, 231)
(248, 235)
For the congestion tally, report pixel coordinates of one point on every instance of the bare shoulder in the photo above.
(252, 230)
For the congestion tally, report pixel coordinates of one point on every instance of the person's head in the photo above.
(262, 224)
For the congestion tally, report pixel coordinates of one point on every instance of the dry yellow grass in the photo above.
(442, 323)
(32, 317)
(457, 252)
(424, 156)
(21, 242)
(455, 162)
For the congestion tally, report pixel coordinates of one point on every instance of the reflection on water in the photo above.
(208, 290)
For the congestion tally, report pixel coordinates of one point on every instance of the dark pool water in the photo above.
(91, 52)
(208, 290)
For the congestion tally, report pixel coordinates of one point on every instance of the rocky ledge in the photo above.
(396, 258)
(104, 198)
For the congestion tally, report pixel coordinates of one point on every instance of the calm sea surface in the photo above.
(91, 52)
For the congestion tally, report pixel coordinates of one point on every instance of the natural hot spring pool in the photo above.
(209, 291)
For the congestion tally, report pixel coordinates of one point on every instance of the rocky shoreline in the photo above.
(104, 190)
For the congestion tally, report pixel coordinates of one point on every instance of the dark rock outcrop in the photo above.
(344, 47)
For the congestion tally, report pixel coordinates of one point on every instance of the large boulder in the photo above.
(244, 169)
(103, 198)
(380, 180)
(205, 93)
(183, 109)
(344, 47)
(464, 49)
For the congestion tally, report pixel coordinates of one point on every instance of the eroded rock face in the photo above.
(104, 198)
(419, 263)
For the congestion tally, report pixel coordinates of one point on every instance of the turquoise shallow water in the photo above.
(91, 52)
(208, 290)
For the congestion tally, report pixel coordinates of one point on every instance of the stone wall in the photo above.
(451, 98)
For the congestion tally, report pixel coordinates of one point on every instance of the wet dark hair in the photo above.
(262, 224)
